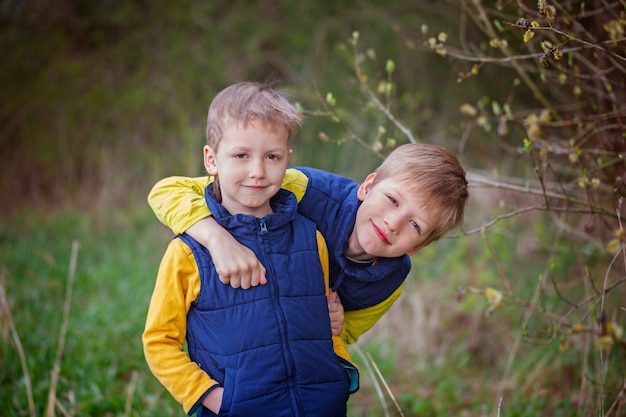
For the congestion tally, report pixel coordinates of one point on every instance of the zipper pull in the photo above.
(263, 226)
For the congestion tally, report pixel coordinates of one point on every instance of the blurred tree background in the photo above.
(103, 98)
(99, 100)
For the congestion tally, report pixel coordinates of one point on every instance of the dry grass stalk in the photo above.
(377, 380)
(5, 311)
(130, 393)
(56, 370)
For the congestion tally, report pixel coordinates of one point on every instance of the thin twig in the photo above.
(499, 406)
(379, 391)
(582, 389)
(476, 179)
(365, 89)
(130, 393)
(374, 100)
(382, 379)
(56, 370)
(600, 294)
(525, 210)
(499, 267)
(555, 286)
(6, 312)
(515, 347)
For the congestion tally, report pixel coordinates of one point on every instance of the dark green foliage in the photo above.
(102, 98)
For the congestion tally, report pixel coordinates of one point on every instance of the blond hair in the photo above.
(245, 103)
(434, 173)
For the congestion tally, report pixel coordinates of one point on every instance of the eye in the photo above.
(273, 157)
(240, 155)
(415, 225)
(392, 200)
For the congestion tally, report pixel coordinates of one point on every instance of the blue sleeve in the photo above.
(325, 200)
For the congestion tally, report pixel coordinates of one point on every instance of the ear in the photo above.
(209, 161)
(366, 186)
(417, 248)
(289, 154)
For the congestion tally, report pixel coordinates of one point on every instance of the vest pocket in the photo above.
(227, 398)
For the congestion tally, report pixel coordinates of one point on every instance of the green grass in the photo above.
(438, 354)
(102, 362)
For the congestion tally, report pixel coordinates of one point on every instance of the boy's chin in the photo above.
(384, 254)
(374, 252)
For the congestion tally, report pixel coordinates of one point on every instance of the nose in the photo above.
(392, 224)
(257, 169)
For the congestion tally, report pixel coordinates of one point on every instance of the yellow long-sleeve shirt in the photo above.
(177, 286)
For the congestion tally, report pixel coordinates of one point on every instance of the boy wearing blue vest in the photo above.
(268, 350)
(416, 196)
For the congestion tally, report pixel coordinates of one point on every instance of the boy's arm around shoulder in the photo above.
(328, 200)
(178, 202)
(339, 346)
(176, 287)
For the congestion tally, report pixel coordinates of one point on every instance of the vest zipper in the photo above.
(287, 355)
(263, 226)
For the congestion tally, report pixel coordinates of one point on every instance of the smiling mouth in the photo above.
(255, 187)
(380, 234)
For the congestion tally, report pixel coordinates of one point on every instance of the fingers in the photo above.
(234, 282)
(243, 276)
(260, 276)
(236, 265)
(253, 277)
(335, 310)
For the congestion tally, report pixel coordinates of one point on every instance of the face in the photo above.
(251, 162)
(390, 222)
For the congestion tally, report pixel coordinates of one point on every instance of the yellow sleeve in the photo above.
(177, 286)
(339, 346)
(296, 182)
(178, 202)
(358, 322)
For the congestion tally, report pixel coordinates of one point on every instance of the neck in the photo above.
(355, 252)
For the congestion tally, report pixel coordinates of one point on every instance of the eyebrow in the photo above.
(245, 148)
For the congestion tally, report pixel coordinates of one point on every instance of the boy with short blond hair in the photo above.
(266, 351)
(416, 196)
(433, 171)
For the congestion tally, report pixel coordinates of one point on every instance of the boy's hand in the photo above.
(335, 308)
(235, 264)
(213, 400)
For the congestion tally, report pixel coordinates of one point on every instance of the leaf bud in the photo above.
(390, 66)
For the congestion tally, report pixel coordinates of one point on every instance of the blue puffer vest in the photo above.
(270, 346)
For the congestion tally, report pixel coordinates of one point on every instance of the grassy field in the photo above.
(437, 354)
(102, 371)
